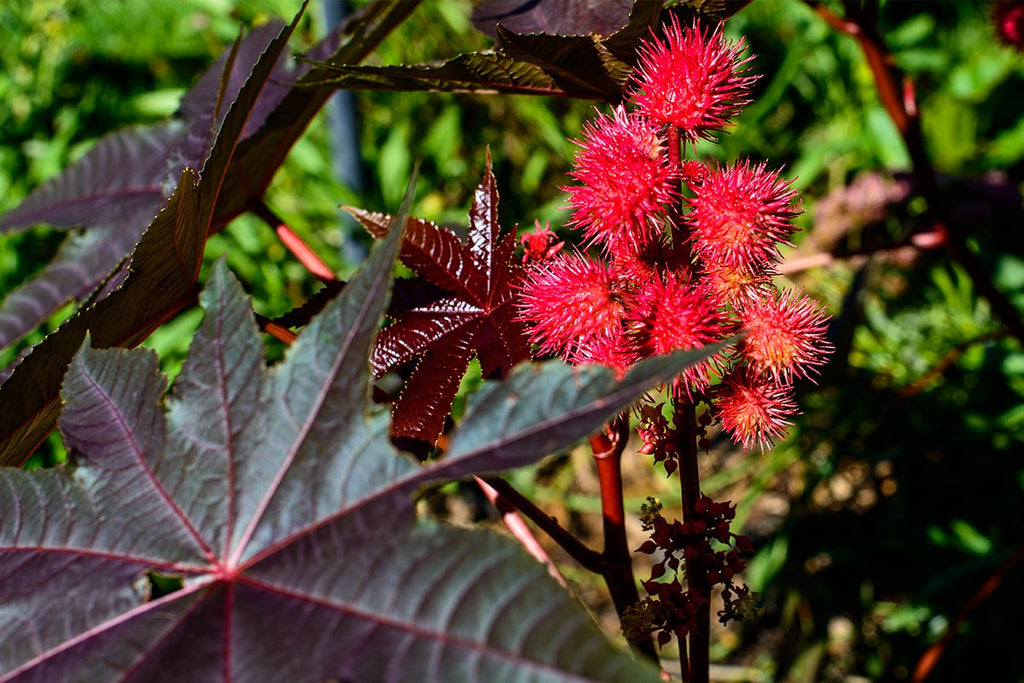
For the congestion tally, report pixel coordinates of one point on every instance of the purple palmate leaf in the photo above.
(576, 17)
(125, 179)
(585, 66)
(560, 17)
(71, 274)
(122, 183)
(117, 188)
(279, 501)
(164, 269)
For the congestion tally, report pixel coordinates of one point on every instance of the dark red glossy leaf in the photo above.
(475, 317)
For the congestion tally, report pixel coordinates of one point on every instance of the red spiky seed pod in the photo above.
(626, 182)
(670, 315)
(570, 300)
(1008, 18)
(786, 336)
(754, 409)
(691, 80)
(741, 214)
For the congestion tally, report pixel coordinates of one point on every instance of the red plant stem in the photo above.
(295, 244)
(276, 331)
(589, 559)
(699, 663)
(897, 95)
(615, 563)
(680, 243)
(930, 658)
(518, 528)
(607, 448)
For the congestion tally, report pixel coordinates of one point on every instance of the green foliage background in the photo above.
(899, 492)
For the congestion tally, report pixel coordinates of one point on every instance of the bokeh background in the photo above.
(890, 520)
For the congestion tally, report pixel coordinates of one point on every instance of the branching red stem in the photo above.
(607, 448)
(680, 243)
(295, 244)
(897, 94)
(614, 564)
(274, 330)
(518, 528)
(698, 663)
(589, 559)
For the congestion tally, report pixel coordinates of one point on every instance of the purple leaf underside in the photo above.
(282, 504)
(122, 183)
(583, 66)
(164, 269)
(71, 275)
(560, 17)
(572, 17)
(117, 188)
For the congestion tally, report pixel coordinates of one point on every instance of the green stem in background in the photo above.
(697, 661)
(295, 244)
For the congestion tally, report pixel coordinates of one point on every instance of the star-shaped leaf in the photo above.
(469, 310)
(276, 501)
(573, 17)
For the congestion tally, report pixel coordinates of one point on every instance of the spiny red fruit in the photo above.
(674, 315)
(740, 215)
(615, 351)
(737, 285)
(571, 300)
(695, 284)
(626, 182)
(692, 80)
(669, 315)
(753, 408)
(786, 336)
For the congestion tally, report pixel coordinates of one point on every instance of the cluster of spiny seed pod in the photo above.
(670, 609)
(687, 248)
